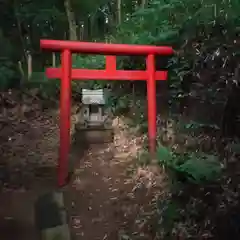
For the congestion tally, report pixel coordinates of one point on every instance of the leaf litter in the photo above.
(114, 189)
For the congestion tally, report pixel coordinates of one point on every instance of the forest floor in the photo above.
(108, 197)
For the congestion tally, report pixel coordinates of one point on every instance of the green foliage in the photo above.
(118, 102)
(196, 125)
(169, 212)
(44, 18)
(47, 88)
(7, 67)
(144, 157)
(181, 24)
(123, 236)
(169, 22)
(194, 167)
(7, 73)
(234, 148)
(90, 62)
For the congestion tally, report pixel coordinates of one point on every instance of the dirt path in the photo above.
(105, 200)
(101, 198)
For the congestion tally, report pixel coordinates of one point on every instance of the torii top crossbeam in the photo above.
(104, 48)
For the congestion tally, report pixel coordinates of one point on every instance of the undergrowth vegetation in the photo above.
(194, 167)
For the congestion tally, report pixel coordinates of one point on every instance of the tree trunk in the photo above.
(54, 59)
(119, 12)
(82, 31)
(24, 48)
(144, 3)
(71, 21)
(29, 65)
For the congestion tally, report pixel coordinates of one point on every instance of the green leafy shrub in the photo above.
(7, 67)
(181, 24)
(47, 87)
(169, 214)
(89, 62)
(194, 167)
(8, 74)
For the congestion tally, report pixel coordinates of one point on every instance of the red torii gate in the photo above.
(66, 74)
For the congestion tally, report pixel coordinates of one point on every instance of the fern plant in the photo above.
(196, 168)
